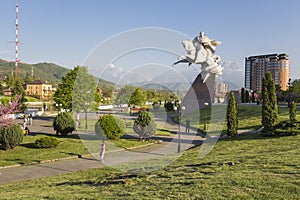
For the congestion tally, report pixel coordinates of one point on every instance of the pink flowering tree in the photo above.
(6, 111)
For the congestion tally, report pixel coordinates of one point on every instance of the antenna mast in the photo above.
(17, 39)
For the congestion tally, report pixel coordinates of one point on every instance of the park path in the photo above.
(167, 149)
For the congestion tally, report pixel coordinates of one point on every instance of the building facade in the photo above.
(256, 67)
(220, 92)
(39, 89)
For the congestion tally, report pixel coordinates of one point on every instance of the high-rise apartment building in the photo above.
(257, 66)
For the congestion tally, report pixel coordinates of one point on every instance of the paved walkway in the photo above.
(167, 149)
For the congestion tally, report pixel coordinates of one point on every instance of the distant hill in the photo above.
(46, 71)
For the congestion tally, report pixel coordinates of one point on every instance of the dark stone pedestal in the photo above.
(199, 94)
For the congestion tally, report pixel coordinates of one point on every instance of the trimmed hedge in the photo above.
(11, 136)
(64, 123)
(110, 127)
(47, 142)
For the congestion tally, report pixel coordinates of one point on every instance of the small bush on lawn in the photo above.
(110, 127)
(144, 125)
(47, 142)
(11, 136)
(169, 106)
(64, 123)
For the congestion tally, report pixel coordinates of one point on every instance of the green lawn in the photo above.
(70, 146)
(249, 167)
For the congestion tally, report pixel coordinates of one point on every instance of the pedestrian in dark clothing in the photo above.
(188, 125)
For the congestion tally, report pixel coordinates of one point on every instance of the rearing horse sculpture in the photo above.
(200, 55)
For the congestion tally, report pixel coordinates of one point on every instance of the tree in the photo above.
(253, 96)
(292, 111)
(138, 97)
(269, 105)
(64, 93)
(82, 93)
(247, 96)
(124, 94)
(144, 125)
(243, 95)
(64, 123)
(1, 88)
(110, 127)
(11, 135)
(6, 110)
(232, 116)
(19, 90)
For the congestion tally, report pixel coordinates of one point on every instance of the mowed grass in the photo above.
(249, 117)
(249, 167)
(72, 145)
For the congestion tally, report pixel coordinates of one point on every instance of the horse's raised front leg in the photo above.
(181, 61)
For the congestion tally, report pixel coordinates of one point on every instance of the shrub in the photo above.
(110, 127)
(292, 112)
(269, 105)
(11, 136)
(232, 116)
(64, 123)
(47, 142)
(144, 125)
(169, 106)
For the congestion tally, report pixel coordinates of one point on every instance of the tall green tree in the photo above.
(232, 116)
(124, 94)
(243, 95)
(1, 88)
(269, 105)
(64, 93)
(247, 96)
(19, 90)
(292, 112)
(138, 97)
(84, 90)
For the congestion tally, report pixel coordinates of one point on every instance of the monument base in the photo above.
(199, 95)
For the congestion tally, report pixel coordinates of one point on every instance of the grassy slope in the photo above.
(264, 168)
(72, 145)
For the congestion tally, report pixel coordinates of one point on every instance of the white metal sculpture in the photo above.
(201, 51)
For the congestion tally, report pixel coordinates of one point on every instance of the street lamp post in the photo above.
(205, 107)
(86, 121)
(180, 111)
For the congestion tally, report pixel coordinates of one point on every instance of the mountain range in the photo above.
(45, 71)
(53, 73)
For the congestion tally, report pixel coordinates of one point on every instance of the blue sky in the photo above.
(65, 31)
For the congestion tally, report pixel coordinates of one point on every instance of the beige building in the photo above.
(39, 89)
(256, 67)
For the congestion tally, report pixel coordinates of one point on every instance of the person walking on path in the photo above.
(102, 151)
(188, 125)
(24, 123)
